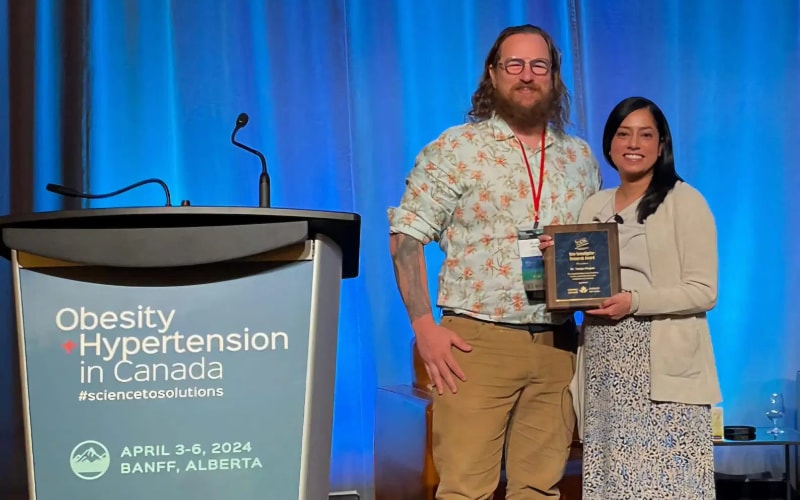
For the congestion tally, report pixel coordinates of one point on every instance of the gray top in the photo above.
(633, 258)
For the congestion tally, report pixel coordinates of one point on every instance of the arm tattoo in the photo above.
(409, 270)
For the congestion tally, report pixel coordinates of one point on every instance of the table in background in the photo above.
(788, 439)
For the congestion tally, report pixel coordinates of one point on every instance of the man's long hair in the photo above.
(483, 100)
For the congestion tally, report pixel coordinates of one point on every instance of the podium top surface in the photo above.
(343, 228)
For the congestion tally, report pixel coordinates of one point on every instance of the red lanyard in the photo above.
(537, 191)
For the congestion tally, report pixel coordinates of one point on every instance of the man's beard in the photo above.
(525, 117)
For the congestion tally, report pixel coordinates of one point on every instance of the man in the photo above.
(499, 363)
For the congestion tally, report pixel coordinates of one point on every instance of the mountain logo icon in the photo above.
(89, 460)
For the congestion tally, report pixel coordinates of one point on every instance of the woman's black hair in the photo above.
(664, 174)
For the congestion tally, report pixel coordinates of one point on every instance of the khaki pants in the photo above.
(516, 400)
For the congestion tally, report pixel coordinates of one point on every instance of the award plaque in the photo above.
(581, 269)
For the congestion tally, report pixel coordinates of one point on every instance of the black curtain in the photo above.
(71, 56)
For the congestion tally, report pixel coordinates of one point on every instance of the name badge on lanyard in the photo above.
(528, 238)
(532, 263)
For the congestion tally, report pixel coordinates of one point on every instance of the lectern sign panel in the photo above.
(157, 391)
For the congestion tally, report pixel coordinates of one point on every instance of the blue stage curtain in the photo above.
(342, 94)
(727, 76)
(9, 466)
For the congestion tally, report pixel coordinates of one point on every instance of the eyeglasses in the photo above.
(514, 66)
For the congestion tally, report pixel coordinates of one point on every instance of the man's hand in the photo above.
(545, 241)
(435, 345)
(615, 307)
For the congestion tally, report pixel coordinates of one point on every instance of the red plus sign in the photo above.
(69, 346)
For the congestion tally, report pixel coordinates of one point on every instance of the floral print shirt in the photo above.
(470, 191)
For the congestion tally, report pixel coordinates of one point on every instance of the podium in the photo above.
(179, 352)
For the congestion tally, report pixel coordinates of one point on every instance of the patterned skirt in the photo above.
(635, 448)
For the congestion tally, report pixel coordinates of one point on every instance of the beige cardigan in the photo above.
(682, 247)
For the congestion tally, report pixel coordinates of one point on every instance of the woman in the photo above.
(647, 375)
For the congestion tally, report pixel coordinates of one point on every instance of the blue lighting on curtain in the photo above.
(135, 122)
(47, 102)
(167, 83)
(726, 75)
(343, 94)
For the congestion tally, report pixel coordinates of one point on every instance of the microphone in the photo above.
(616, 217)
(73, 193)
(263, 180)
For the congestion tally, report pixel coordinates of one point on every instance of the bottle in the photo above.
(717, 425)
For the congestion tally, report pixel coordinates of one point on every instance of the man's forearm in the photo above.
(409, 270)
